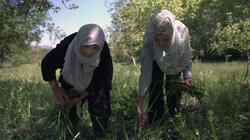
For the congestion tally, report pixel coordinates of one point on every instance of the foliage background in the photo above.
(217, 27)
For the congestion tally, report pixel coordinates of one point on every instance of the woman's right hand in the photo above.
(141, 118)
(61, 96)
(186, 86)
(59, 92)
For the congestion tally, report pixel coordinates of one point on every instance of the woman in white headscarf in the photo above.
(86, 73)
(166, 50)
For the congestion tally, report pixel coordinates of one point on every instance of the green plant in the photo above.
(58, 118)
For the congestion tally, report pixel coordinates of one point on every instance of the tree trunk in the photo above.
(227, 57)
(248, 63)
(134, 61)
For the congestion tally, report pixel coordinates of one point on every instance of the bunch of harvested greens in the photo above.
(193, 91)
(175, 84)
(58, 119)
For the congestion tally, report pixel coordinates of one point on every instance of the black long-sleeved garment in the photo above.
(102, 77)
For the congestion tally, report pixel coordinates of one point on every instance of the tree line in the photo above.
(219, 29)
(21, 22)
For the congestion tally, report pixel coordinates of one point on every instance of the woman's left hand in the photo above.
(74, 101)
(187, 85)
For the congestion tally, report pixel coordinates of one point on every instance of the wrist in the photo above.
(138, 107)
(84, 94)
(53, 84)
(188, 79)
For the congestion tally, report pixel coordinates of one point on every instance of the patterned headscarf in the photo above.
(78, 70)
(174, 57)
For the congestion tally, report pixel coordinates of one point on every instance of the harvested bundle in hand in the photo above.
(193, 91)
(58, 118)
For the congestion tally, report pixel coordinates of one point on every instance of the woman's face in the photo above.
(89, 50)
(162, 40)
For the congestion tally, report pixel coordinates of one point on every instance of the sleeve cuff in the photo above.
(187, 73)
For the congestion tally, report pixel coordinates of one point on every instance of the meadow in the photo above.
(26, 98)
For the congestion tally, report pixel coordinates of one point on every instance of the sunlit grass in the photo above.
(26, 98)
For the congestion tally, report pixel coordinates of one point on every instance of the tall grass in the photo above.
(26, 98)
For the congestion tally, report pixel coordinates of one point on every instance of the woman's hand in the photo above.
(60, 93)
(141, 118)
(74, 101)
(187, 86)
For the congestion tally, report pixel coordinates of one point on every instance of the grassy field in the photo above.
(26, 98)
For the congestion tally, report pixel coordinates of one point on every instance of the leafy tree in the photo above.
(235, 36)
(203, 17)
(19, 25)
(55, 33)
(21, 22)
(232, 28)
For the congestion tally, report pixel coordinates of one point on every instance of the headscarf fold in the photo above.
(174, 57)
(78, 70)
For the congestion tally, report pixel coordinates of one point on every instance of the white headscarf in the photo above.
(174, 57)
(78, 70)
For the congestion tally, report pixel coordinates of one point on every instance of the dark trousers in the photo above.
(99, 110)
(156, 102)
